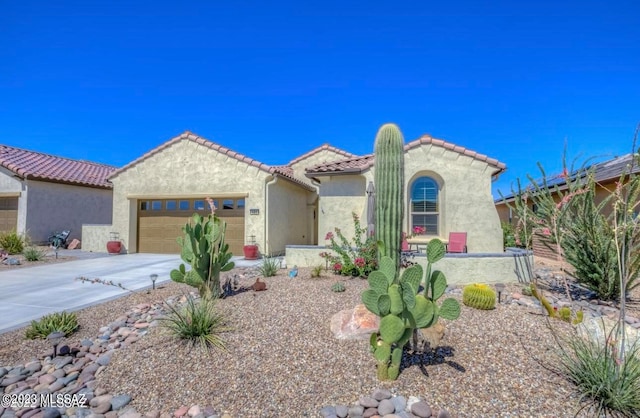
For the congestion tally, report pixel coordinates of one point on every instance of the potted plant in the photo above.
(250, 250)
(114, 245)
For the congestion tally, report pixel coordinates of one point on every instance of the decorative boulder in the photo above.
(354, 324)
(598, 330)
(433, 335)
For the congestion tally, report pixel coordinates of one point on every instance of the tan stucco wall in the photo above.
(465, 195)
(340, 197)
(54, 207)
(287, 216)
(95, 237)
(320, 157)
(459, 270)
(466, 203)
(10, 184)
(190, 170)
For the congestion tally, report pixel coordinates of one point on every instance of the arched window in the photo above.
(424, 205)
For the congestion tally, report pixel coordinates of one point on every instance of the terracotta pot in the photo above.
(250, 252)
(114, 247)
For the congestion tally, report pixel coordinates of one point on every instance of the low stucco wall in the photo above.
(508, 267)
(95, 237)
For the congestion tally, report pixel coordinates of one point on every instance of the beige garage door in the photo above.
(160, 222)
(8, 214)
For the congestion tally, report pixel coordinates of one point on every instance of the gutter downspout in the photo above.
(315, 183)
(266, 210)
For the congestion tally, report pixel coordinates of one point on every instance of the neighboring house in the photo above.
(606, 175)
(41, 194)
(292, 204)
(447, 189)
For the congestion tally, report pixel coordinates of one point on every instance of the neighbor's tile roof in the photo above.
(285, 172)
(359, 164)
(323, 147)
(36, 165)
(602, 172)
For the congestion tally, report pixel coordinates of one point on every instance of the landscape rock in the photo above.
(421, 409)
(356, 323)
(120, 401)
(386, 407)
(368, 402)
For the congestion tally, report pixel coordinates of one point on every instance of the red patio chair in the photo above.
(457, 242)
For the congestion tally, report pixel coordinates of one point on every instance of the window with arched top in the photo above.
(424, 205)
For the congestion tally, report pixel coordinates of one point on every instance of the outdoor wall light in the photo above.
(499, 288)
(153, 278)
(55, 338)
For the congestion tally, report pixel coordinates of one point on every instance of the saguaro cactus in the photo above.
(389, 182)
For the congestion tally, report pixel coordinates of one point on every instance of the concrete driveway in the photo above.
(31, 292)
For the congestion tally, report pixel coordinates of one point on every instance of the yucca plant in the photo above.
(33, 254)
(12, 242)
(316, 271)
(606, 386)
(198, 322)
(269, 266)
(59, 321)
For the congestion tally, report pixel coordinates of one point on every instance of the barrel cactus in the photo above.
(479, 296)
(389, 182)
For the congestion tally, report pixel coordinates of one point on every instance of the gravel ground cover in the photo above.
(283, 360)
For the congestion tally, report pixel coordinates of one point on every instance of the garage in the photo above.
(8, 214)
(160, 222)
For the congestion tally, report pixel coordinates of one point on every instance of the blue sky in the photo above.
(109, 80)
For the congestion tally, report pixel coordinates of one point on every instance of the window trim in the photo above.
(437, 213)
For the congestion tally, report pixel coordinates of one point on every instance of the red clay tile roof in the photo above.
(283, 171)
(322, 147)
(359, 164)
(45, 167)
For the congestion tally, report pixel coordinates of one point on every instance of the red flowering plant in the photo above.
(417, 230)
(357, 258)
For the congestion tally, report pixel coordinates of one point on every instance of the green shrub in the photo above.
(11, 242)
(608, 388)
(351, 259)
(316, 271)
(589, 246)
(338, 287)
(59, 321)
(269, 266)
(508, 235)
(197, 323)
(33, 254)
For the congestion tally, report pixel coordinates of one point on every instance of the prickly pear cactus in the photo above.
(402, 310)
(204, 249)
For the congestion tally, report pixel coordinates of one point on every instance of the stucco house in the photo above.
(448, 188)
(155, 195)
(42, 193)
